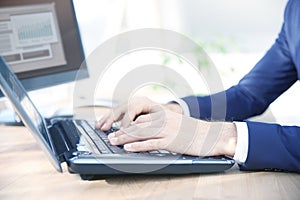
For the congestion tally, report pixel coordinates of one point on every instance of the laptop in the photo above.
(87, 152)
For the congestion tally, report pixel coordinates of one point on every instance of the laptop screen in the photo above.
(30, 116)
(26, 103)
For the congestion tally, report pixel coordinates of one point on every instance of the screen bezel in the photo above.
(39, 129)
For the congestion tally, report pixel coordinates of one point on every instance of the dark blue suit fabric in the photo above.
(271, 146)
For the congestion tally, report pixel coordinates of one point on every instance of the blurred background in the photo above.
(234, 33)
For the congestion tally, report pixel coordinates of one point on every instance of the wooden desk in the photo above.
(25, 173)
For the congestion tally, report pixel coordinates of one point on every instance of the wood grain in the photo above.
(25, 173)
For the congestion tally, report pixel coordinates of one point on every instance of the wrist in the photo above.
(229, 139)
(175, 107)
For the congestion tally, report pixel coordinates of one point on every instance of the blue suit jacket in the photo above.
(271, 146)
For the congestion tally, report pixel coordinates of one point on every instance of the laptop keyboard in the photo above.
(100, 139)
(97, 139)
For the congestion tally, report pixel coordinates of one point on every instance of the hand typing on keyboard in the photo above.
(146, 126)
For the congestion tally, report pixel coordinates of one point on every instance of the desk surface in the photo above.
(26, 173)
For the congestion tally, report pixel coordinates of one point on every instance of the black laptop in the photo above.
(87, 152)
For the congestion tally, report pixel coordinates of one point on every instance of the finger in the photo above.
(107, 120)
(143, 131)
(152, 119)
(136, 107)
(143, 119)
(135, 132)
(105, 123)
(102, 121)
(120, 137)
(146, 145)
(155, 114)
(127, 119)
(115, 134)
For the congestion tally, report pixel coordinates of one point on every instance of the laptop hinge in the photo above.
(61, 145)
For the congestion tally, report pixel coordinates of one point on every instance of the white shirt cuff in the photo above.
(241, 151)
(184, 107)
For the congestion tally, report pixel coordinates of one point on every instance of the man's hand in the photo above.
(129, 111)
(146, 125)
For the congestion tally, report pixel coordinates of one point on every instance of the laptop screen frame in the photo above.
(34, 125)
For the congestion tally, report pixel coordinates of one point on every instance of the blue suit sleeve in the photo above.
(271, 146)
(271, 76)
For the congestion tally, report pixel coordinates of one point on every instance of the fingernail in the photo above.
(128, 147)
(111, 135)
(103, 126)
(113, 140)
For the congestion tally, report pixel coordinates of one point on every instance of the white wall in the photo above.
(252, 24)
(245, 29)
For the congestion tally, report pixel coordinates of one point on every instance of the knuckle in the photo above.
(153, 144)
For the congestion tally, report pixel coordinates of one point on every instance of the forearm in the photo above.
(221, 137)
(209, 138)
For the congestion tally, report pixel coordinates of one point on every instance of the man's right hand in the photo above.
(146, 126)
